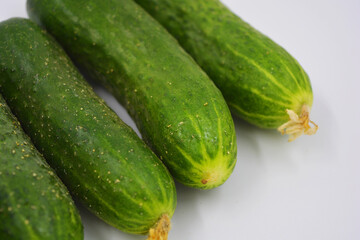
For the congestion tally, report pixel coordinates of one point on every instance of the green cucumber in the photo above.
(34, 203)
(178, 110)
(260, 81)
(99, 158)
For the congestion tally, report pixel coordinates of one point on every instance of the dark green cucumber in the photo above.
(99, 158)
(257, 77)
(34, 203)
(179, 111)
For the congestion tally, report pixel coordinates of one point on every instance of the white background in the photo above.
(308, 189)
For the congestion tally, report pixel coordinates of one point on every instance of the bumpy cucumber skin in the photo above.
(99, 158)
(257, 77)
(34, 203)
(179, 111)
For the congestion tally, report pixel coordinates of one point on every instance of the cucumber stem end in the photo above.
(161, 230)
(298, 125)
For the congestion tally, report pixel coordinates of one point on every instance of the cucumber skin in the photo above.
(34, 203)
(101, 160)
(257, 77)
(179, 111)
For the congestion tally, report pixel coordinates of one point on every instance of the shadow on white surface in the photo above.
(187, 215)
(96, 229)
(115, 106)
(324, 114)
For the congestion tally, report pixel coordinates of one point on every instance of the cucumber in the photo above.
(261, 82)
(178, 110)
(34, 203)
(99, 158)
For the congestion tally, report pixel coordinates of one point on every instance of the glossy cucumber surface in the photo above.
(100, 159)
(178, 110)
(34, 203)
(259, 79)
